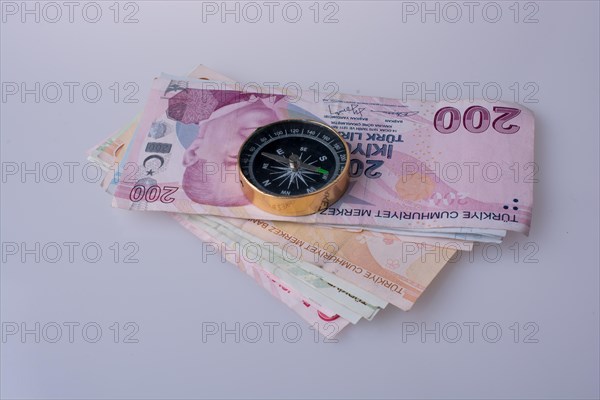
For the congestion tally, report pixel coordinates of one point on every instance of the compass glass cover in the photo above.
(293, 157)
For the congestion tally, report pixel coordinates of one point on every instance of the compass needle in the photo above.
(274, 157)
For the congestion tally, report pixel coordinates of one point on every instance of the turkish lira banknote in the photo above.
(434, 168)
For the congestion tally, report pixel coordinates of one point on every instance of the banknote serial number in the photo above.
(476, 119)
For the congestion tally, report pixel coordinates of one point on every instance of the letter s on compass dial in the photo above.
(294, 167)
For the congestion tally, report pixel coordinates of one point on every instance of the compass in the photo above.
(294, 167)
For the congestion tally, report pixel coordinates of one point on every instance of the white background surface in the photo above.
(373, 49)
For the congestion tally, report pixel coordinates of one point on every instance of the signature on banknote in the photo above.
(397, 113)
(353, 108)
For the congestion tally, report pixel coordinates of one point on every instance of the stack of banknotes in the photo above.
(428, 179)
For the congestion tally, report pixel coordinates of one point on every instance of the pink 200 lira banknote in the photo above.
(414, 165)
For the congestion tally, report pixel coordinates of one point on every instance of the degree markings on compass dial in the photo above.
(293, 160)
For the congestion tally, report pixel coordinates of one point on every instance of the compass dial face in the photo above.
(293, 158)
